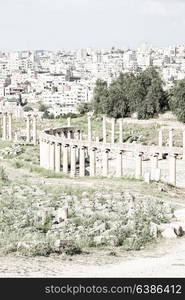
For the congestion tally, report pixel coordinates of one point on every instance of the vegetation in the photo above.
(29, 224)
(43, 107)
(84, 107)
(28, 108)
(142, 94)
(177, 100)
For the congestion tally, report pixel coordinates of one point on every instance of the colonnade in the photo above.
(7, 128)
(62, 150)
(104, 129)
(171, 139)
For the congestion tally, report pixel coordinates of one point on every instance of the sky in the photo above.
(73, 24)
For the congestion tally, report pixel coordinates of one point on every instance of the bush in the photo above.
(177, 100)
(3, 175)
(84, 107)
(28, 108)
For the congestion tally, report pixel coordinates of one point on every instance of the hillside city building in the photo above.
(63, 79)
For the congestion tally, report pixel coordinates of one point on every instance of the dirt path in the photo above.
(167, 260)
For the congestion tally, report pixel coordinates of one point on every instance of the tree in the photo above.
(150, 98)
(27, 108)
(177, 100)
(118, 100)
(43, 107)
(154, 102)
(127, 94)
(84, 107)
(100, 97)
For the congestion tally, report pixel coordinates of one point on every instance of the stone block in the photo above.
(169, 233)
(62, 214)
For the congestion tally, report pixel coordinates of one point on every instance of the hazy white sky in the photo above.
(60, 24)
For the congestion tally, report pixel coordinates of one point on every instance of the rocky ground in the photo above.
(105, 218)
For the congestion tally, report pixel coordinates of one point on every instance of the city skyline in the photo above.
(74, 24)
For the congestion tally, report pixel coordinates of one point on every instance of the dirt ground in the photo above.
(164, 260)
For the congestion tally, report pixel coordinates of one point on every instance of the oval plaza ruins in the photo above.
(70, 151)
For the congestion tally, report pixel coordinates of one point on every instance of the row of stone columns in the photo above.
(105, 130)
(154, 166)
(50, 158)
(7, 126)
(170, 140)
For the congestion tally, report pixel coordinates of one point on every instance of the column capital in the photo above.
(83, 147)
(74, 146)
(106, 150)
(173, 154)
(155, 154)
(120, 151)
(139, 153)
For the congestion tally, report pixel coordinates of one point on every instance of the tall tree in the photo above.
(100, 96)
(177, 100)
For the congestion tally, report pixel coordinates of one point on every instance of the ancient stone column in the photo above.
(4, 136)
(160, 142)
(78, 135)
(119, 164)
(69, 121)
(93, 162)
(42, 163)
(113, 131)
(105, 160)
(34, 129)
(104, 130)
(81, 135)
(73, 161)
(171, 137)
(57, 157)
(16, 136)
(65, 159)
(52, 156)
(47, 154)
(69, 134)
(160, 138)
(89, 129)
(138, 170)
(63, 135)
(120, 130)
(10, 126)
(82, 161)
(28, 129)
(154, 161)
(184, 145)
(172, 169)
